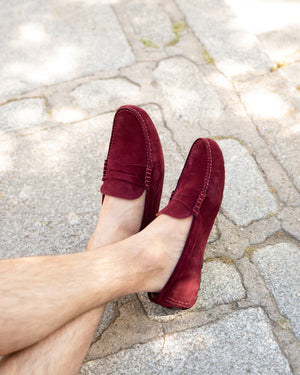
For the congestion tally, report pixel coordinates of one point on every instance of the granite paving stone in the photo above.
(279, 265)
(129, 327)
(187, 90)
(207, 106)
(231, 74)
(276, 26)
(143, 49)
(240, 343)
(232, 243)
(50, 184)
(193, 102)
(24, 113)
(236, 52)
(47, 42)
(108, 316)
(290, 221)
(278, 176)
(292, 71)
(151, 24)
(189, 46)
(173, 159)
(107, 94)
(246, 195)
(274, 105)
(220, 283)
(260, 230)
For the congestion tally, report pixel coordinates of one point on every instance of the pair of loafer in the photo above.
(135, 163)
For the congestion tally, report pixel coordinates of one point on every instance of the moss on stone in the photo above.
(222, 258)
(250, 251)
(207, 56)
(148, 43)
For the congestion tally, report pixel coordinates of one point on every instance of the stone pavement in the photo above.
(224, 69)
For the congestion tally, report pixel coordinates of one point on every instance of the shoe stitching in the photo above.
(208, 173)
(198, 204)
(187, 304)
(140, 119)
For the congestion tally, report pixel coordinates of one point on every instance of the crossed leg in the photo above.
(39, 295)
(63, 351)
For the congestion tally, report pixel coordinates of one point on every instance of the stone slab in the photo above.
(274, 105)
(52, 41)
(192, 101)
(220, 284)
(278, 176)
(290, 221)
(232, 243)
(50, 180)
(105, 94)
(237, 344)
(279, 265)
(276, 25)
(24, 113)
(236, 51)
(129, 327)
(260, 230)
(187, 90)
(246, 195)
(292, 71)
(151, 24)
(50, 187)
(174, 161)
(108, 316)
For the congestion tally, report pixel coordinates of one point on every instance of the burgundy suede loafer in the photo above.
(199, 193)
(134, 161)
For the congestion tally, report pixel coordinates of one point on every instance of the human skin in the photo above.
(52, 305)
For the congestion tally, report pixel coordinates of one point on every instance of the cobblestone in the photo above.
(104, 95)
(246, 195)
(152, 25)
(217, 27)
(45, 45)
(221, 283)
(227, 347)
(19, 114)
(290, 219)
(223, 69)
(279, 267)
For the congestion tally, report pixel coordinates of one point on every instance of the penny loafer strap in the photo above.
(134, 174)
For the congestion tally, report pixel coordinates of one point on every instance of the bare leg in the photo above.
(61, 353)
(38, 295)
(64, 350)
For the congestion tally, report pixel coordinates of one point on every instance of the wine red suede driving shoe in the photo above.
(199, 193)
(135, 161)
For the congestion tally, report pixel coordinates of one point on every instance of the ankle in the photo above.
(119, 219)
(164, 241)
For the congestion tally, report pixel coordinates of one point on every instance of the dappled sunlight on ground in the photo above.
(266, 104)
(275, 23)
(65, 68)
(68, 114)
(7, 149)
(32, 33)
(260, 16)
(48, 43)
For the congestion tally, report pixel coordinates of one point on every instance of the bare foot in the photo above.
(165, 238)
(156, 249)
(118, 219)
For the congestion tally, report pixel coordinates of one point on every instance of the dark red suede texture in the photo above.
(199, 193)
(135, 161)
